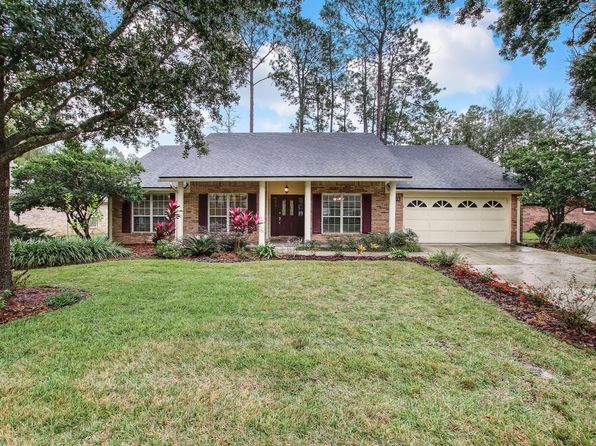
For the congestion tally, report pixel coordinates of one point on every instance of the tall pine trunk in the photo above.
(379, 114)
(251, 89)
(364, 97)
(5, 271)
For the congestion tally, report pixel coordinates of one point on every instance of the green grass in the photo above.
(530, 238)
(285, 352)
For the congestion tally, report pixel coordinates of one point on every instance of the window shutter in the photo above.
(252, 203)
(126, 217)
(203, 212)
(366, 213)
(316, 213)
(173, 196)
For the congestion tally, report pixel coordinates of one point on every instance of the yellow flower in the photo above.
(374, 246)
(360, 249)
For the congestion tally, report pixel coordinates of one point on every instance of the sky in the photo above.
(466, 64)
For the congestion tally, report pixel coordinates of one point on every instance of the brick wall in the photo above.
(513, 238)
(55, 222)
(379, 205)
(533, 214)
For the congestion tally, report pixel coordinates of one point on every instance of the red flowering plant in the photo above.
(463, 269)
(524, 292)
(243, 223)
(166, 229)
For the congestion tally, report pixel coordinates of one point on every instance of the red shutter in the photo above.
(316, 213)
(126, 217)
(203, 212)
(252, 203)
(366, 213)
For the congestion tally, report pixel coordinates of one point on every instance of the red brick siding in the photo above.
(532, 214)
(513, 238)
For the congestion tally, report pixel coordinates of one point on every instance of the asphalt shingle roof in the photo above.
(450, 167)
(325, 155)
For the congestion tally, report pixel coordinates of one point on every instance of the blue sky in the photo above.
(466, 64)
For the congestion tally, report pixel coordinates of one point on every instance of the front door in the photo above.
(287, 215)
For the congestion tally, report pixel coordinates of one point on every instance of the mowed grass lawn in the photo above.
(285, 352)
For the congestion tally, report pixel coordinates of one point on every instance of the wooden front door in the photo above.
(287, 215)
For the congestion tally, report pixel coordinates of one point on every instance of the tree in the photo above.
(296, 68)
(114, 70)
(75, 181)
(558, 173)
(433, 126)
(375, 24)
(529, 27)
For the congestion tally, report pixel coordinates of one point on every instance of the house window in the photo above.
(589, 210)
(219, 210)
(467, 204)
(342, 213)
(442, 204)
(492, 204)
(151, 209)
(416, 204)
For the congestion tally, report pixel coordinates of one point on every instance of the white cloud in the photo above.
(465, 58)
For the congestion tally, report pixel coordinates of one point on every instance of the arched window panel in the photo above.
(442, 204)
(492, 204)
(416, 204)
(467, 204)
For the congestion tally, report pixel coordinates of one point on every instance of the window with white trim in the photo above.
(147, 212)
(467, 204)
(219, 210)
(589, 210)
(416, 204)
(442, 204)
(342, 213)
(492, 204)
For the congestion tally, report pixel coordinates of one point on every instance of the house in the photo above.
(532, 214)
(320, 185)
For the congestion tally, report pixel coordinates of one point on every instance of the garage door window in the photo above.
(442, 204)
(467, 204)
(492, 204)
(416, 204)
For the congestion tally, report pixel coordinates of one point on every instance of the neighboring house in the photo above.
(532, 214)
(320, 185)
(55, 222)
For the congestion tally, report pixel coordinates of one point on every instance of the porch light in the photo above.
(286, 189)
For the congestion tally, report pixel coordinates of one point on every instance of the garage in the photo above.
(457, 219)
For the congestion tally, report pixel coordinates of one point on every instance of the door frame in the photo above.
(299, 219)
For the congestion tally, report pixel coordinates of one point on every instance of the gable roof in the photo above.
(276, 155)
(450, 168)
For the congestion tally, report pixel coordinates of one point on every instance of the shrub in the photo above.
(23, 232)
(335, 244)
(312, 245)
(348, 242)
(227, 243)
(64, 299)
(203, 245)
(488, 275)
(585, 242)
(166, 229)
(266, 251)
(444, 258)
(570, 228)
(166, 249)
(577, 299)
(54, 251)
(396, 253)
(243, 223)
(412, 247)
(399, 239)
(379, 239)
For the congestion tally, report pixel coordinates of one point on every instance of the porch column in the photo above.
(180, 219)
(307, 210)
(392, 204)
(262, 212)
(110, 216)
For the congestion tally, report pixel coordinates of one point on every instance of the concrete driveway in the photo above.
(521, 263)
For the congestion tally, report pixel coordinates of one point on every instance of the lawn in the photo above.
(285, 352)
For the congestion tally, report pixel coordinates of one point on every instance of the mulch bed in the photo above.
(546, 318)
(26, 302)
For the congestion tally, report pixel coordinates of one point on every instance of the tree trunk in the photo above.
(251, 89)
(364, 97)
(556, 217)
(379, 118)
(5, 270)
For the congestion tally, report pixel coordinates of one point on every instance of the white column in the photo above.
(180, 219)
(307, 210)
(110, 217)
(392, 204)
(262, 213)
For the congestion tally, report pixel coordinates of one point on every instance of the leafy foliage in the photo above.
(167, 249)
(25, 233)
(558, 173)
(444, 258)
(64, 299)
(396, 253)
(200, 246)
(55, 251)
(166, 229)
(567, 228)
(243, 223)
(75, 181)
(266, 251)
(585, 242)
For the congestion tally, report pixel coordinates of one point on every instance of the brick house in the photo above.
(532, 214)
(321, 185)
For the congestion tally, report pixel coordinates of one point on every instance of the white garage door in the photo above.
(457, 220)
